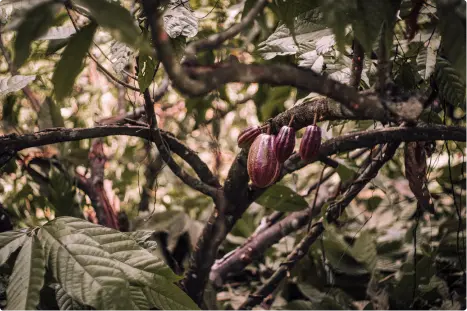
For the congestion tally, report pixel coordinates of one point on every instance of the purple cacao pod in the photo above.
(311, 141)
(247, 136)
(285, 143)
(263, 167)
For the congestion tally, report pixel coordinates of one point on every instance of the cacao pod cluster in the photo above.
(268, 152)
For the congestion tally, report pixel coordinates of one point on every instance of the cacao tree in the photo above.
(232, 154)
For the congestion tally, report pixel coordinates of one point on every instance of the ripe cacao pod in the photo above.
(284, 143)
(263, 167)
(247, 136)
(311, 141)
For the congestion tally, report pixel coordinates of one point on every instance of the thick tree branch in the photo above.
(348, 142)
(15, 143)
(257, 245)
(215, 40)
(162, 45)
(334, 212)
(199, 80)
(270, 234)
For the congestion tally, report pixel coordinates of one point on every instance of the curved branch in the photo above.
(15, 143)
(215, 40)
(201, 79)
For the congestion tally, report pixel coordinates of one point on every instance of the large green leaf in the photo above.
(452, 27)
(27, 278)
(308, 30)
(282, 198)
(287, 11)
(65, 302)
(85, 271)
(71, 63)
(139, 298)
(34, 24)
(169, 297)
(139, 263)
(450, 84)
(115, 18)
(10, 241)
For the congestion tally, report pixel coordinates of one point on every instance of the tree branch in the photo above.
(104, 210)
(270, 234)
(215, 40)
(257, 245)
(199, 80)
(15, 143)
(357, 64)
(191, 158)
(334, 212)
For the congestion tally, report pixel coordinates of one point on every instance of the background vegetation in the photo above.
(122, 185)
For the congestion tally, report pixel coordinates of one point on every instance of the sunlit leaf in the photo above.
(14, 83)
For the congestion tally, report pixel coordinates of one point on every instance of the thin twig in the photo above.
(102, 68)
(215, 40)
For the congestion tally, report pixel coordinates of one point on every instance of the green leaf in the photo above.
(450, 84)
(116, 19)
(34, 24)
(274, 103)
(56, 45)
(179, 20)
(364, 250)
(288, 10)
(169, 297)
(64, 301)
(77, 262)
(282, 198)
(346, 170)
(49, 115)
(71, 63)
(140, 266)
(452, 27)
(147, 65)
(309, 29)
(10, 241)
(27, 277)
(139, 298)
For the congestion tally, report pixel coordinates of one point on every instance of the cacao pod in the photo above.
(247, 136)
(263, 167)
(311, 141)
(284, 143)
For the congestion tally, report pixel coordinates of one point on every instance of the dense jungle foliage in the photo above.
(146, 154)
